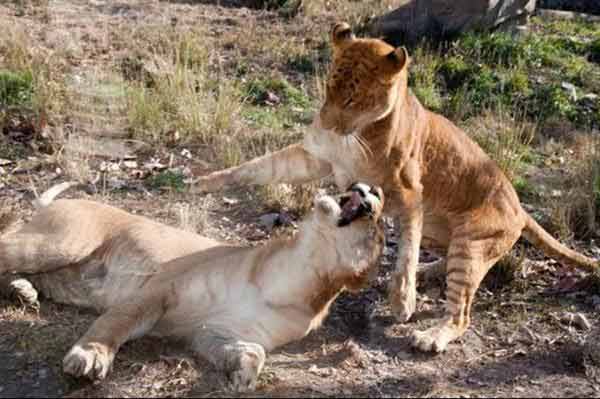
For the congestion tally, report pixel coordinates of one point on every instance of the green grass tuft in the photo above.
(168, 179)
(257, 90)
(16, 88)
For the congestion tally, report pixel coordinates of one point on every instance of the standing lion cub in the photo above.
(231, 303)
(441, 188)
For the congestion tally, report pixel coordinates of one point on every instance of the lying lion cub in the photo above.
(230, 303)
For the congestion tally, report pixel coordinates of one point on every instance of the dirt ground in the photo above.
(517, 345)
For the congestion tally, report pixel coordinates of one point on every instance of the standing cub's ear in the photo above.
(398, 59)
(341, 33)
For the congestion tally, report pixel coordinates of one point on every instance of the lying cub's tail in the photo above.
(48, 196)
(535, 234)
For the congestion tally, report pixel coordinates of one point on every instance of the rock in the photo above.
(270, 98)
(321, 372)
(186, 153)
(269, 220)
(109, 167)
(590, 100)
(442, 18)
(154, 164)
(579, 6)
(285, 219)
(130, 164)
(570, 89)
(576, 319)
(230, 201)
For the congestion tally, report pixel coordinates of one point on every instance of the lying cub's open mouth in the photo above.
(361, 201)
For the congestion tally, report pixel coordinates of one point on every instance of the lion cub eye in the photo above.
(348, 102)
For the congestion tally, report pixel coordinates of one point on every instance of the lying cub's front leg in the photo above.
(240, 361)
(93, 354)
(292, 164)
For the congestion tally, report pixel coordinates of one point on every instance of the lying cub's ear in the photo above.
(341, 33)
(325, 205)
(327, 209)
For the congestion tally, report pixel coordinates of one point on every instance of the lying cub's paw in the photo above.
(24, 292)
(92, 360)
(246, 365)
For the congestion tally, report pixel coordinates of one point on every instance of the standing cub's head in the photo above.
(349, 226)
(365, 78)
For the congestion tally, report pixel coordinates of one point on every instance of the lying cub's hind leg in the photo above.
(240, 361)
(467, 264)
(92, 356)
(38, 253)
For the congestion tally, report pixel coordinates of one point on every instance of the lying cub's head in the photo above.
(351, 224)
(363, 82)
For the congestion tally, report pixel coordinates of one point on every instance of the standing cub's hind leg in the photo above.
(468, 261)
(240, 361)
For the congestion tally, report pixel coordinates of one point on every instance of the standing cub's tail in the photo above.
(48, 196)
(535, 234)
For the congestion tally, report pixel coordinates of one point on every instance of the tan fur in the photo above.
(441, 188)
(231, 303)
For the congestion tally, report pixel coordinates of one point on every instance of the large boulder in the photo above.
(416, 19)
(584, 6)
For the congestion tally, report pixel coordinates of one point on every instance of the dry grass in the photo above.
(357, 13)
(193, 217)
(505, 139)
(20, 54)
(576, 212)
(296, 198)
(74, 156)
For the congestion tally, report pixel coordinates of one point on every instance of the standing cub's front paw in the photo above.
(244, 366)
(435, 339)
(91, 360)
(403, 298)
